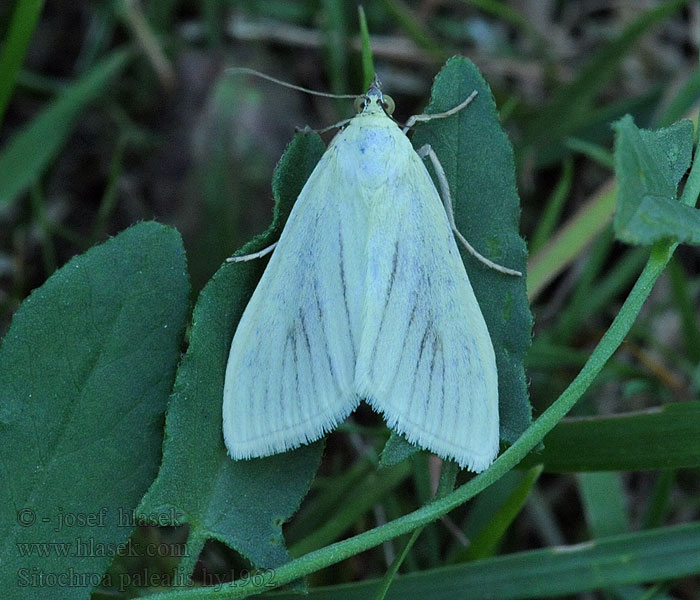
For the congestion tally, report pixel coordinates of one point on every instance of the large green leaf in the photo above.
(649, 166)
(478, 161)
(653, 555)
(242, 503)
(661, 438)
(85, 373)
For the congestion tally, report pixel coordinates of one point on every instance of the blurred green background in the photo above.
(146, 123)
(119, 111)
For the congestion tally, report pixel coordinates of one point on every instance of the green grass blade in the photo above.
(554, 207)
(592, 298)
(570, 318)
(482, 510)
(687, 310)
(603, 498)
(335, 35)
(543, 518)
(658, 506)
(486, 542)
(570, 241)
(48, 249)
(367, 60)
(573, 102)
(22, 25)
(660, 438)
(647, 556)
(29, 152)
(388, 579)
(331, 494)
(448, 476)
(595, 152)
(357, 503)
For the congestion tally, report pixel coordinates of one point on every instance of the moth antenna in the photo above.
(247, 71)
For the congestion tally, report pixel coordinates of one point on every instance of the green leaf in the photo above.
(241, 503)
(649, 166)
(662, 438)
(603, 498)
(478, 161)
(85, 372)
(396, 450)
(31, 150)
(654, 555)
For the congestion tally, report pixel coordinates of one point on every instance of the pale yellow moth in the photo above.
(365, 298)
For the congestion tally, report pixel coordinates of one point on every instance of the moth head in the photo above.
(374, 100)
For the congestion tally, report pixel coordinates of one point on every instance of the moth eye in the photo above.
(359, 104)
(389, 105)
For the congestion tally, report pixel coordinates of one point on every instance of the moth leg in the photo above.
(448, 113)
(253, 255)
(447, 201)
